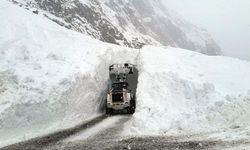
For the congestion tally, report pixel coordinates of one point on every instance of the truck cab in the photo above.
(120, 97)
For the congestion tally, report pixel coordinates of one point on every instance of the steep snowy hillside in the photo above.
(52, 78)
(131, 23)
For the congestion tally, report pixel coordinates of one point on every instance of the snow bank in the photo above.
(51, 78)
(184, 91)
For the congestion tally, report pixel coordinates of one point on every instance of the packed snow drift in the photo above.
(183, 91)
(52, 78)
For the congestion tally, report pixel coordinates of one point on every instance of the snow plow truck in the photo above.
(122, 89)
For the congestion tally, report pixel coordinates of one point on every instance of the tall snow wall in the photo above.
(52, 78)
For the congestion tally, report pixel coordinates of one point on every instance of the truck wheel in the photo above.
(109, 111)
(131, 110)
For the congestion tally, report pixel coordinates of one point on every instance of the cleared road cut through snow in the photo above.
(52, 78)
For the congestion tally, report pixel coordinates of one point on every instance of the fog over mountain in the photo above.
(131, 23)
(227, 20)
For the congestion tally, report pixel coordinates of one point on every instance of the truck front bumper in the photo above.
(118, 106)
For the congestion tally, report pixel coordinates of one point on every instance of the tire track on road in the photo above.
(41, 142)
(106, 131)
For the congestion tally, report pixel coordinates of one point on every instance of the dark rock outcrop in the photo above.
(131, 23)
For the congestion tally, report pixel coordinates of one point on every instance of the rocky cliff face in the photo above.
(131, 23)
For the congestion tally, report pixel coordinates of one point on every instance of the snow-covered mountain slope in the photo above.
(52, 78)
(131, 23)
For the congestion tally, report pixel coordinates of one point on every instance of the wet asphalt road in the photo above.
(109, 138)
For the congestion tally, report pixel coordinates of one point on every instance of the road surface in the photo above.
(105, 133)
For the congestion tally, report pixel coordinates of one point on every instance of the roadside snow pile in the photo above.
(184, 91)
(50, 77)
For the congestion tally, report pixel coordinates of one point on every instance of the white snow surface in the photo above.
(52, 78)
(188, 92)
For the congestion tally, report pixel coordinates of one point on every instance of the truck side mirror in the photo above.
(111, 67)
(131, 70)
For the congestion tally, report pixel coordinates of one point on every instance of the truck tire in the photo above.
(109, 111)
(131, 109)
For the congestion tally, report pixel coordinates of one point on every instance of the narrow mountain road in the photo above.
(105, 133)
(100, 136)
(99, 129)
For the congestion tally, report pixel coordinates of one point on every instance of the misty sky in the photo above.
(228, 21)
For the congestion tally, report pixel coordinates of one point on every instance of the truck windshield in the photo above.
(119, 86)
